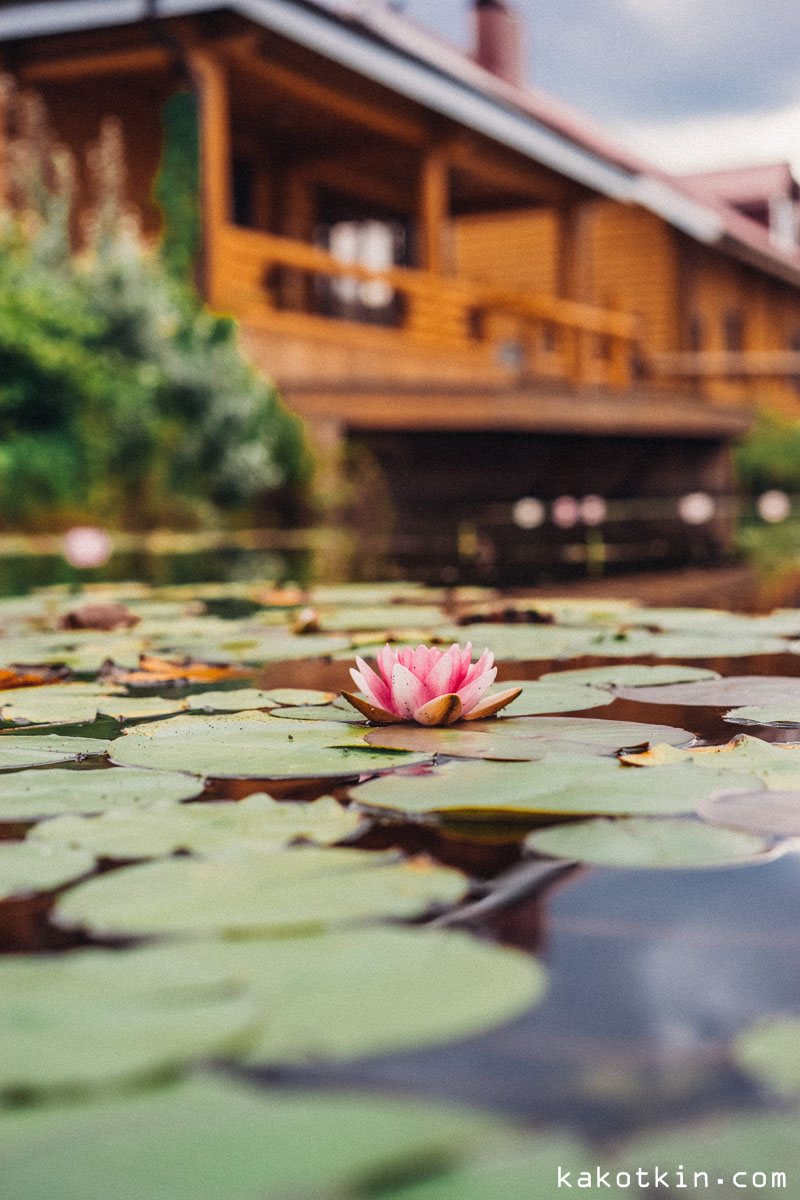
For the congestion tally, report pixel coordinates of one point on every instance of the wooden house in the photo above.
(444, 266)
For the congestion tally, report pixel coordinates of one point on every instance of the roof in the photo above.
(379, 43)
(747, 185)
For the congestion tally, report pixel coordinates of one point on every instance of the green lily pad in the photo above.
(223, 1140)
(349, 994)
(771, 1052)
(245, 698)
(27, 868)
(646, 842)
(319, 712)
(298, 890)
(252, 745)
(630, 675)
(389, 617)
(562, 784)
(52, 704)
(551, 696)
(133, 708)
(30, 795)
(760, 812)
(91, 1017)
(157, 831)
(521, 738)
(784, 716)
(732, 1148)
(35, 750)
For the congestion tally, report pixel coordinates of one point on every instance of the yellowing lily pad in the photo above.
(30, 795)
(87, 1018)
(521, 738)
(216, 1139)
(776, 765)
(253, 745)
(562, 784)
(27, 868)
(258, 822)
(646, 842)
(295, 891)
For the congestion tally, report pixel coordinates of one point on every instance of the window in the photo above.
(696, 333)
(733, 330)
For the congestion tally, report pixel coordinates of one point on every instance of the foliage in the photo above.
(177, 186)
(769, 457)
(122, 399)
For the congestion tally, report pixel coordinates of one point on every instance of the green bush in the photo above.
(122, 399)
(769, 457)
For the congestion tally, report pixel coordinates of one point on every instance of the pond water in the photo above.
(651, 973)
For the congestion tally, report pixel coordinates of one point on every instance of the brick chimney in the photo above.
(499, 40)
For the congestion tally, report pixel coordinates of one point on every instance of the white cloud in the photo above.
(729, 139)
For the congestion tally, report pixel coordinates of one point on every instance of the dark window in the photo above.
(696, 332)
(243, 176)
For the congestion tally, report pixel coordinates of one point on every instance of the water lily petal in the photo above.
(472, 692)
(423, 658)
(408, 692)
(446, 675)
(443, 710)
(491, 704)
(483, 664)
(373, 687)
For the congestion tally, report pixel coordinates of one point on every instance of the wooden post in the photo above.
(216, 202)
(6, 86)
(434, 211)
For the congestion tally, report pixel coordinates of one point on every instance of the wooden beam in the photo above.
(354, 178)
(721, 364)
(321, 96)
(533, 183)
(211, 84)
(58, 70)
(6, 89)
(434, 210)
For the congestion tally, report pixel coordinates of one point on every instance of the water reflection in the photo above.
(652, 972)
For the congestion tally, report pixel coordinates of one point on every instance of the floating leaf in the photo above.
(385, 617)
(252, 745)
(776, 765)
(299, 890)
(223, 1140)
(53, 704)
(90, 1017)
(771, 1052)
(259, 821)
(29, 750)
(160, 672)
(520, 738)
(27, 868)
(646, 842)
(734, 690)
(785, 715)
(349, 994)
(551, 696)
(133, 708)
(762, 812)
(319, 712)
(562, 784)
(30, 795)
(631, 675)
(245, 698)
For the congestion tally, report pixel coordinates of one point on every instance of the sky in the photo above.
(688, 84)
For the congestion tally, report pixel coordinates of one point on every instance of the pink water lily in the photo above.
(430, 686)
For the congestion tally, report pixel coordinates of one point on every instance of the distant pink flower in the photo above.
(87, 546)
(430, 686)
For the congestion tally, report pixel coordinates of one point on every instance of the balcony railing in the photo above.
(276, 281)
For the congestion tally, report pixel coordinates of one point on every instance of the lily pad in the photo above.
(223, 1140)
(771, 1052)
(92, 1017)
(783, 716)
(552, 696)
(27, 868)
(646, 842)
(319, 712)
(253, 745)
(630, 675)
(134, 708)
(349, 994)
(35, 750)
(733, 690)
(52, 704)
(761, 812)
(30, 795)
(521, 738)
(562, 784)
(724, 1147)
(776, 765)
(295, 891)
(246, 698)
(259, 822)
